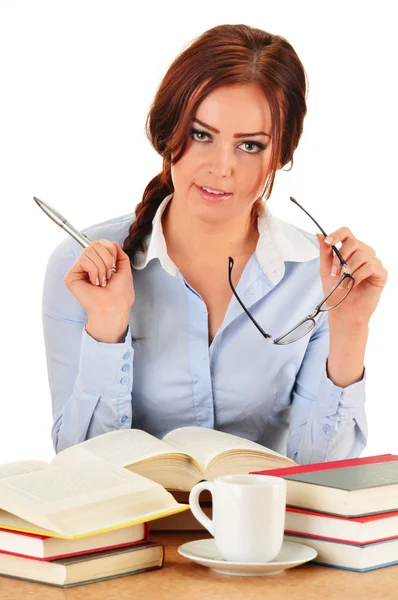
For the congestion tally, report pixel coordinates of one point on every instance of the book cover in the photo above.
(348, 530)
(360, 558)
(80, 570)
(43, 547)
(326, 466)
(355, 478)
(349, 488)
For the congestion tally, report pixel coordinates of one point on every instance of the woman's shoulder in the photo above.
(114, 230)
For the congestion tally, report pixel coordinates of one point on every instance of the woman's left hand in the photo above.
(367, 270)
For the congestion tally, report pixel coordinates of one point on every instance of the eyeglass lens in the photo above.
(296, 333)
(338, 294)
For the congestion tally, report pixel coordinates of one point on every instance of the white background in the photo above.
(77, 80)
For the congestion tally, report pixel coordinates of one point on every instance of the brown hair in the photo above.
(223, 55)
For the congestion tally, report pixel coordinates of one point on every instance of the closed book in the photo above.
(43, 547)
(87, 568)
(353, 557)
(350, 530)
(348, 488)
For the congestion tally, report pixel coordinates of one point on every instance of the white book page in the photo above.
(41, 497)
(21, 466)
(10, 521)
(205, 444)
(120, 448)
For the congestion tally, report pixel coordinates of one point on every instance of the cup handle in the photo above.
(195, 506)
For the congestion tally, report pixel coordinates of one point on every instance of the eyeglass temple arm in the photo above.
(342, 261)
(230, 265)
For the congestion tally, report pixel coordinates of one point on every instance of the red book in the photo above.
(42, 547)
(85, 568)
(348, 488)
(355, 530)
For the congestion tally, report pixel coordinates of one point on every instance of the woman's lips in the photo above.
(212, 197)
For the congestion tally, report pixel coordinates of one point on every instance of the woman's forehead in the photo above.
(245, 108)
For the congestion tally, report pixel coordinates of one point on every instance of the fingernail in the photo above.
(97, 281)
(328, 240)
(109, 273)
(113, 269)
(333, 271)
(104, 281)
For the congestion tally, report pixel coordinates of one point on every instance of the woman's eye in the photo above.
(194, 132)
(254, 145)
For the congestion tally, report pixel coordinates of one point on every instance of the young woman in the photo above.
(184, 312)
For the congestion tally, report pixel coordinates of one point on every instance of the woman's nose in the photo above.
(221, 163)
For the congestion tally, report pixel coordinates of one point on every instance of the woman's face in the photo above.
(221, 160)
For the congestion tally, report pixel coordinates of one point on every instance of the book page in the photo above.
(63, 499)
(120, 448)
(10, 521)
(205, 444)
(20, 467)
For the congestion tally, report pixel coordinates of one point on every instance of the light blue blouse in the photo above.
(278, 396)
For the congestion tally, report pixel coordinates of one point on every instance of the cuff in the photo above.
(106, 369)
(334, 397)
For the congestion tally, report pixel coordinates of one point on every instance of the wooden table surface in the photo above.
(181, 578)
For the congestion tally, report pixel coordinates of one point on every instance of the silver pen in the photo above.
(80, 237)
(51, 212)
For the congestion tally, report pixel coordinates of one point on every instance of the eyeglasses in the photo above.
(333, 299)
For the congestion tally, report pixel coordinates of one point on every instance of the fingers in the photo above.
(97, 261)
(360, 258)
(340, 235)
(354, 252)
(373, 271)
(112, 250)
(123, 260)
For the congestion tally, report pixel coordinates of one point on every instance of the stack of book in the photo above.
(68, 562)
(78, 521)
(346, 510)
(83, 517)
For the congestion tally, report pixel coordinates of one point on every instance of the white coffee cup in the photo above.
(248, 515)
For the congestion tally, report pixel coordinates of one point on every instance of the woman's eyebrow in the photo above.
(236, 135)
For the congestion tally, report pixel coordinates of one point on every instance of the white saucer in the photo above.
(204, 552)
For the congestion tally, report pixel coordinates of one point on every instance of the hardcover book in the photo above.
(43, 547)
(87, 568)
(349, 488)
(350, 530)
(350, 556)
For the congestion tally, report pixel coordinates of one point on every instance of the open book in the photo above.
(85, 489)
(182, 458)
(78, 496)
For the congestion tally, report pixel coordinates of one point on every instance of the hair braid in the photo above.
(155, 192)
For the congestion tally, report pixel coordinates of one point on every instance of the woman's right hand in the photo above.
(94, 265)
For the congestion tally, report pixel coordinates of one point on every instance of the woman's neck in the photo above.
(207, 243)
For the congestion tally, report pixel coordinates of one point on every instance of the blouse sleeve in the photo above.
(90, 382)
(327, 422)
